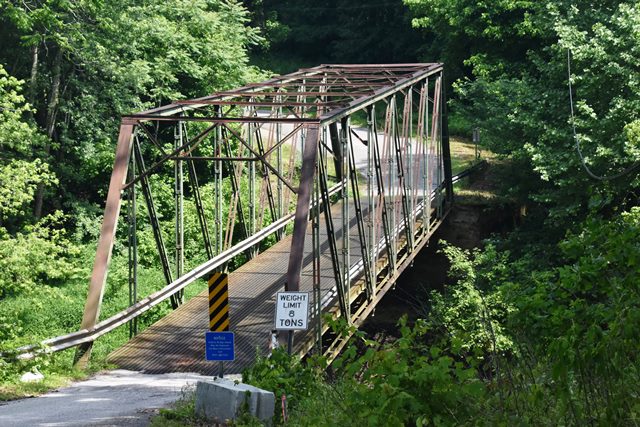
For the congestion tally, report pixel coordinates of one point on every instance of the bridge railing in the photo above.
(249, 161)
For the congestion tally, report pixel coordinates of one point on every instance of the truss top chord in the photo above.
(337, 88)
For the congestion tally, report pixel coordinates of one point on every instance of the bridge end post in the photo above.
(106, 240)
(446, 149)
(301, 220)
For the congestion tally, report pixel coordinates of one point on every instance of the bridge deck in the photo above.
(176, 342)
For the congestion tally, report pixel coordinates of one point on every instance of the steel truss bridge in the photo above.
(343, 169)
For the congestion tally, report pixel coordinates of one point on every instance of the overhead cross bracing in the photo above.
(368, 140)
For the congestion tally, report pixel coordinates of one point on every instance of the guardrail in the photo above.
(82, 336)
(465, 173)
(73, 339)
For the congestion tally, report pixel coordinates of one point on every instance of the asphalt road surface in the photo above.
(115, 398)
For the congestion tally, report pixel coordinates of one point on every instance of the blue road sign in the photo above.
(219, 346)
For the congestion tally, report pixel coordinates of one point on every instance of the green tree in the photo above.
(95, 61)
(29, 253)
(517, 93)
(20, 173)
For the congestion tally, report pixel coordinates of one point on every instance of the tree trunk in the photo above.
(35, 50)
(52, 110)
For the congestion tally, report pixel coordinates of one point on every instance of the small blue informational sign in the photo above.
(219, 346)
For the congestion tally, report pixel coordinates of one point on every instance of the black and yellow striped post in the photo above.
(219, 306)
(218, 302)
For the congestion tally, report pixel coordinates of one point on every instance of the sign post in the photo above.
(292, 313)
(219, 342)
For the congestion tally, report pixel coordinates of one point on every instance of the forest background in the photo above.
(540, 324)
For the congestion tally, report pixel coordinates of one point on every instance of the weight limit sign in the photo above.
(292, 310)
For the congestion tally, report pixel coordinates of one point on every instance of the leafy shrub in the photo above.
(40, 254)
(410, 381)
(560, 336)
(284, 374)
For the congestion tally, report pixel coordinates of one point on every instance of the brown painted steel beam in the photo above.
(294, 78)
(153, 117)
(241, 94)
(309, 158)
(321, 82)
(264, 103)
(107, 237)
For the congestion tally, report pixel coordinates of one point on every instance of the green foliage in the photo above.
(284, 374)
(39, 255)
(411, 381)
(307, 33)
(516, 91)
(470, 316)
(580, 316)
(55, 368)
(19, 180)
(16, 134)
(558, 335)
(20, 173)
(85, 63)
(182, 412)
(115, 58)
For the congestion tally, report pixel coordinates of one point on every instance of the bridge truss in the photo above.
(327, 146)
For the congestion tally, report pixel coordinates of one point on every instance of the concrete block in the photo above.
(222, 399)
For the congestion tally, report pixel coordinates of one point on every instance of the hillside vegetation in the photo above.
(539, 326)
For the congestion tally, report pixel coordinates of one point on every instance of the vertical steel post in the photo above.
(200, 210)
(265, 176)
(301, 218)
(153, 216)
(217, 179)
(281, 207)
(392, 187)
(336, 262)
(382, 196)
(399, 138)
(436, 138)
(365, 248)
(346, 261)
(317, 293)
(410, 165)
(336, 147)
(426, 193)
(133, 249)
(446, 152)
(179, 218)
(107, 238)
(371, 224)
(252, 191)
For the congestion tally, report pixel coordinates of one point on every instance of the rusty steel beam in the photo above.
(159, 118)
(295, 79)
(107, 237)
(239, 94)
(302, 208)
(319, 82)
(264, 103)
(380, 94)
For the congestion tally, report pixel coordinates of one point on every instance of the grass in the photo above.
(480, 188)
(57, 311)
(463, 153)
(18, 390)
(182, 412)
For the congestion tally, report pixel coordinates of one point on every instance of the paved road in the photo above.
(116, 398)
